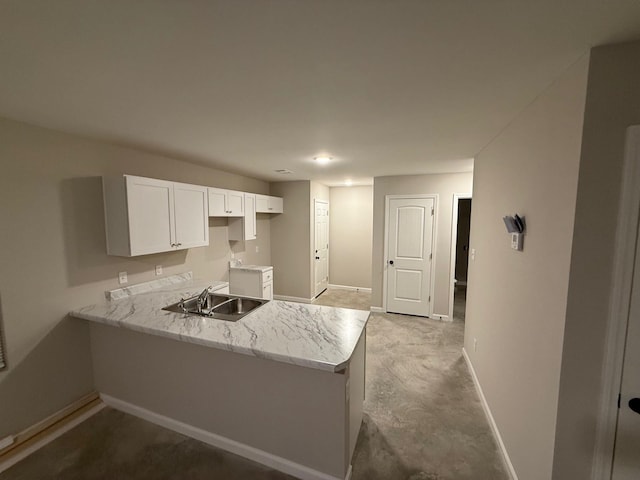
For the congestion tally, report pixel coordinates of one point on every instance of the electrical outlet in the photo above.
(475, 344)
(257, 249)
(158, 269)
(473, 254)
(122, 278)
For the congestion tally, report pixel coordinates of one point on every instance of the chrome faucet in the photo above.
(202, 299)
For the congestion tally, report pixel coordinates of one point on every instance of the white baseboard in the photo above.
(492, 422)
(348, 287)
(292, 299)
(376, 309)
(48, 438)
(260, 456)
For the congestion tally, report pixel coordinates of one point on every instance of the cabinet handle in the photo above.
(270, 208)
(178, 244)
(173, 244)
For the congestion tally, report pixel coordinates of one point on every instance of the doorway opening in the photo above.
(461, 227)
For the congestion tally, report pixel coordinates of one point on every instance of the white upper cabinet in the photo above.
(191, 215)
(225, 203)
(145, 215)
(268, 204)
(244, 228)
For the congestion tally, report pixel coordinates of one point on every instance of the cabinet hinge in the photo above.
(432, 211)
(429, 298)
(430, 256)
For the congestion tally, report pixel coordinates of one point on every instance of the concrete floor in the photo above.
(423, 421)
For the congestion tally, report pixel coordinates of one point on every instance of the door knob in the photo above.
(634, 404)
(390, 262)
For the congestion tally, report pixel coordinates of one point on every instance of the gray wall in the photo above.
(292, 237)
(445, 185)
(53, 257)
(290, 240)
(351, 233)
(516, 301)
(613, 103)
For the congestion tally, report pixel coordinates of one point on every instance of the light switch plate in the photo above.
(122, 278)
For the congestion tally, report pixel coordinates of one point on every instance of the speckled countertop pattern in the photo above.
(306, 335)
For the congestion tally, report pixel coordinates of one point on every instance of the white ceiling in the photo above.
(385, 87)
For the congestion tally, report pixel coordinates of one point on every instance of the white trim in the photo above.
(48, 438)
(454, 242)
(377, 309)
(492, 422)
(265, 458)
(434, 237)
(620, 299)
(348, 287)
(292, 299)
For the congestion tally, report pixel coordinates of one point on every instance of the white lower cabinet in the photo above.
(146, 215)
(252, 281)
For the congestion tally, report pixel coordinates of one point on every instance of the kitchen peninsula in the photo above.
(283, 386)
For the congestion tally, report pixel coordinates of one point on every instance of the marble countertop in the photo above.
(260, 268)
(307, 335)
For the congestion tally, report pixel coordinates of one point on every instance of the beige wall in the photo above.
(613, 103)
(445, 186)
(350, 236)
(53, 257)
(290, 240)
(292, 234)
(516, 301)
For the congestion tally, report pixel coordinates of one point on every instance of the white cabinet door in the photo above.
(235, 203)
(191, 215)
(268, 204)
(150, 208)
(225, 203)
(217, 202)
(276, 205)
(244, 228)
(250, 216)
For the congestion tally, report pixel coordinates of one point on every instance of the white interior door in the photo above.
(409, 255)
(626, 460)
(321, 246)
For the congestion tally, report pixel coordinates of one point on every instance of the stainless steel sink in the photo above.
(223, 307)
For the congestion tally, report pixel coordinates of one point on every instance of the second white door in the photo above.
(409, 255)
(321, 247)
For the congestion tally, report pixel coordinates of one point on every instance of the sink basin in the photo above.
(223, 307)
(237, 306)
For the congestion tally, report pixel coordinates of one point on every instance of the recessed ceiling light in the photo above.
(348, 183)
(322, 159)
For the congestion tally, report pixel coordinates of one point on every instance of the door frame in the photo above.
(619, 304)
(434, 237)
(454, 244)
(313, 247)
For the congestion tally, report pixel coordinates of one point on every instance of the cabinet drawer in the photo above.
(267, 276)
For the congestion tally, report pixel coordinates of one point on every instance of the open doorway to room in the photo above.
(461, 227)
